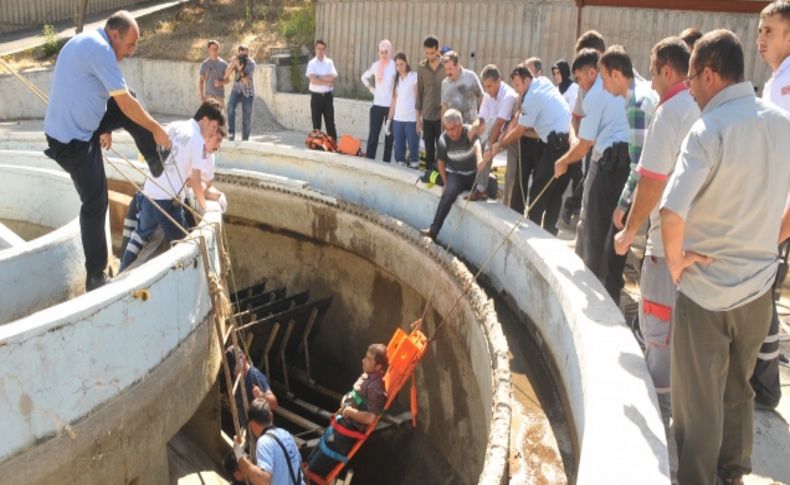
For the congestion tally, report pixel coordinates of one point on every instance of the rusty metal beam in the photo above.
(734, 6)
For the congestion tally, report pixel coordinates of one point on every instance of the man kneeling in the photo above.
(458, 155)
(188, 158)
(358, 408)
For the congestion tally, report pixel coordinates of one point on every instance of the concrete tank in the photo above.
(379, 273)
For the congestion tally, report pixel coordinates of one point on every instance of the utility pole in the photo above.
(81, 15)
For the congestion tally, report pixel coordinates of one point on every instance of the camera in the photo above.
(242, 60)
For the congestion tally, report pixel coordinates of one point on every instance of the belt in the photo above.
(616, 157)
(321, 94)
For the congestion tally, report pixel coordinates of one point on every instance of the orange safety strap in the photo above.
(348, 433)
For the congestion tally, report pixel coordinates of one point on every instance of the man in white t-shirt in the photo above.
(773, 44)
(495, 113)
(322, 74)
(187, 158)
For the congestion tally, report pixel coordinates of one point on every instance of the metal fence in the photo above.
(27, 14)
(506, 32)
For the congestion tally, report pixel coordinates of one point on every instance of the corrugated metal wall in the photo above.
(505, 32)
(26, 14)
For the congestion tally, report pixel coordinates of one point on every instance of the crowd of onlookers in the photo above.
(686, 149)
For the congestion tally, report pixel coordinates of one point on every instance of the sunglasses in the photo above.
(687, 81)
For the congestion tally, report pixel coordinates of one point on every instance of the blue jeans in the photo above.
(246, 114)
(149, 218)
(406, 132)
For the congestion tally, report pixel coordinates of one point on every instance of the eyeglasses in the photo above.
(687, 81)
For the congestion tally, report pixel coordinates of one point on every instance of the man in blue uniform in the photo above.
(89, 99)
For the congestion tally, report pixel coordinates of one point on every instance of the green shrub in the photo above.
(51, 43)
(298, 25)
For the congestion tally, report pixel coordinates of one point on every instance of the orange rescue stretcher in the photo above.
(404, 352)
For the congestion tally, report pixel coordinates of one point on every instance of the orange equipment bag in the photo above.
(348, 145)
(318, 140)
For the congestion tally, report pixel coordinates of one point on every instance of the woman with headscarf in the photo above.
(383, 71)
(562, 76)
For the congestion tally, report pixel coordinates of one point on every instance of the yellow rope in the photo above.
(219, 297)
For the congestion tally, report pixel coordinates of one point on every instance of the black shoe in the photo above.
(566, 216)
(156, 164)
(428, 233)
(476, 195)
(231, 136)
(96, 281)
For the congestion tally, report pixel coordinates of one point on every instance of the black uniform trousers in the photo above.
(82, 160)
(598, 253)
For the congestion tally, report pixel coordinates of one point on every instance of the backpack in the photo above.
(318, 140)
(348, 145)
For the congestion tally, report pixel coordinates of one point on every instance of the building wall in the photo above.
(505, 32)
(19, 14)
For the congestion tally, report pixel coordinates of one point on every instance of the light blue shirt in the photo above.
(86, 75)
(604, 119)
(544, 109)
(270, 457)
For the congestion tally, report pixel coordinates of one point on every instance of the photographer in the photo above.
(240, 70)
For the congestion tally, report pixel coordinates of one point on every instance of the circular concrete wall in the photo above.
(379, 272)
(54, 261)
(93, 388)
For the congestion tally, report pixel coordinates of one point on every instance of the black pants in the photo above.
(431, 131)
(765, 379)
(599, 254)
(546, 210)
(531, 151)
(322, 464)
(577, 173)
(322, 104)
(82, 160)
(456, 183)
(378, 114)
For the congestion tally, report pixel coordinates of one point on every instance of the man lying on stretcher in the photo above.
(358, 408)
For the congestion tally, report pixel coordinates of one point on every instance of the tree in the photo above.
(83, 7)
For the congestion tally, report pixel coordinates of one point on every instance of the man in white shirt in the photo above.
(322, 74)
(676, 113)
(722, 216)
(495, 113)
(773, 44)
(188, 158)
(545, 111)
